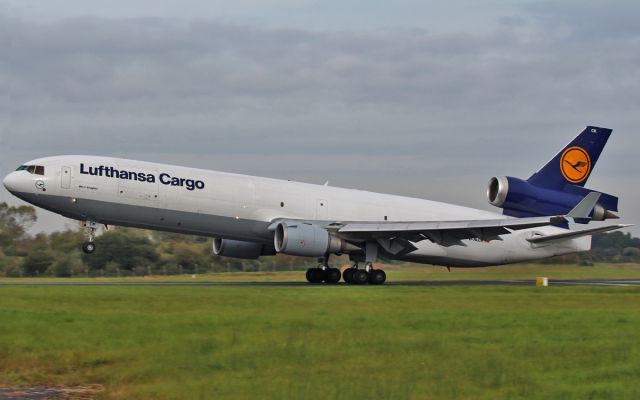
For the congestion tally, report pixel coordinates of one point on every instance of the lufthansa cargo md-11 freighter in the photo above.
(249, 217)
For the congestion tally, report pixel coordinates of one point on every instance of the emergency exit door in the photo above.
(65, 176)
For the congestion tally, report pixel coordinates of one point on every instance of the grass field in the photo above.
(409, 272)
(319, 342)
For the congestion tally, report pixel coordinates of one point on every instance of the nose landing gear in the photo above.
(89, 247)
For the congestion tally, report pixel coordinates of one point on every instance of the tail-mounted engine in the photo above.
(519, 198)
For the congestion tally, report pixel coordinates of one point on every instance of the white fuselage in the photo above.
(241, 207)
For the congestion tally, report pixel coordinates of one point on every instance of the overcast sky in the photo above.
(418, 98)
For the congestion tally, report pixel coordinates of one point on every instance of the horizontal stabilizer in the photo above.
(580, 213)
(575, 234)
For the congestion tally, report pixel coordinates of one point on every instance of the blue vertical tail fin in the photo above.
(575, 162)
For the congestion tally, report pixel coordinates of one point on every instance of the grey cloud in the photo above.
(161, 76)
(589, 20)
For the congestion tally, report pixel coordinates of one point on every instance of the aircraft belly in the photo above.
(139, 216)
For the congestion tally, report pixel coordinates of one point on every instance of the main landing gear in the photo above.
(368, 275)
(355, 276)
(352, 276)
(326, 275)
(323, 272)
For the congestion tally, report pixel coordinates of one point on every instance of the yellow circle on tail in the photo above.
(575, 164)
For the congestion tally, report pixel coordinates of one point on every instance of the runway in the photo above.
(552, 282)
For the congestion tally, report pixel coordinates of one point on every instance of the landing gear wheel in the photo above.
(377, 277)
(347, 275)
(90, 226)
(332, 275)
(360, 277)
(88, 247)
(315, 275)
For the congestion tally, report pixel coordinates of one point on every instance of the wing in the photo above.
(445, 233)
(399, 237)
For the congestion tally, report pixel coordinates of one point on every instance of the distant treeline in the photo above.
(126, 252)
(614, 247)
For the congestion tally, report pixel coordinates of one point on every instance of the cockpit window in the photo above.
(32, 169)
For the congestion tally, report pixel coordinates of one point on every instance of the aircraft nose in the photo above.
(11, 182)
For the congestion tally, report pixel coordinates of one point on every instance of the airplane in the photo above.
(249, 217)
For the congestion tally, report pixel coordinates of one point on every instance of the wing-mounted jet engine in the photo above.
(558, 186)
(299, 238)
(241, 249)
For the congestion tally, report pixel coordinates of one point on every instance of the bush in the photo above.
(67, 265)
(37, 261)
(12, 267)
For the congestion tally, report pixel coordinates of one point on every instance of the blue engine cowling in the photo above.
(519, 198)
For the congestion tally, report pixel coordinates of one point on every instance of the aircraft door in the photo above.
(322, 210)
(65, 176)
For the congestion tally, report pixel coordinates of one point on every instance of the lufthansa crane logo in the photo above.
(575, 164)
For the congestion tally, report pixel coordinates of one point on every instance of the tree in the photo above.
(191, 256)
(67, 241)
(14, 223)
(66, 264)
(38, 261)
(615, 246)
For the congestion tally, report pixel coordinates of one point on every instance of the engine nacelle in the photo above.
(519, 198)
(497, 191)
(308, 240)
(241, 249)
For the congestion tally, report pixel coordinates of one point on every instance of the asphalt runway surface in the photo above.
(552, 282)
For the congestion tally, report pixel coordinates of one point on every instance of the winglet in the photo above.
(580, 213)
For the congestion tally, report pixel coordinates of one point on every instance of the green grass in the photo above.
(515, 272)
(408, 272)
(317, 342)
